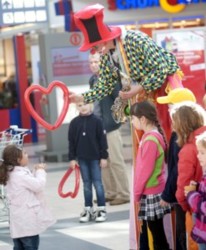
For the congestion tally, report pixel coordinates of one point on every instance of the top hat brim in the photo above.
(114, 33)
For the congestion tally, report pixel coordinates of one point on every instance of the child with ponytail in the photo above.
(28, 213)
(149, 178)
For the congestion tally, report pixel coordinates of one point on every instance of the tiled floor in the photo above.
(68, 233)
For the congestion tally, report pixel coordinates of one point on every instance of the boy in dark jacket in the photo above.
(88, 147)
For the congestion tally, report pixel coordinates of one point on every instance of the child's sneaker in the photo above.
(86, 215)
(101, 214)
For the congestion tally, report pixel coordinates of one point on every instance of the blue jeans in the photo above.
(91, 175)
(26, 243)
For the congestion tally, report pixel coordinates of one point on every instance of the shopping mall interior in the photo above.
(39, 44)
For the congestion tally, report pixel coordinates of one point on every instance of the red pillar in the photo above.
(21, 71)
(4, 122)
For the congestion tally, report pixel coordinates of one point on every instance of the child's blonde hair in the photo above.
(201, 139)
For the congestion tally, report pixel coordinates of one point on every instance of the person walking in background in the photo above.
(149, 178)
(168, 195)
(196, 196)
(188, 121)
(88, 148)
(28, 213)
(115, 178)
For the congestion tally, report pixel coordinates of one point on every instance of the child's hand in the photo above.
(163, 203)
(186, 190)
(40, 166)
(193, 183)
(103, 163)
(191, 187)
(72, 164)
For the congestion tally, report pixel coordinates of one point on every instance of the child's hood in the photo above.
(192, 137)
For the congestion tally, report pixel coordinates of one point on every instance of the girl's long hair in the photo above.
(10, 158)
(149, 111)
(186, 119)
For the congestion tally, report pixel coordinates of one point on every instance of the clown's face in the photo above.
(104, 48)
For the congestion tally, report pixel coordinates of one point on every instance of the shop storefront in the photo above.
(20, 21)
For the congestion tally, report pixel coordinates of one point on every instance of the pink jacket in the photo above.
(188, 167)
(150, 166)
(28, 212)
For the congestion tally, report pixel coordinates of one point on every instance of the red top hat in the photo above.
(90, 21)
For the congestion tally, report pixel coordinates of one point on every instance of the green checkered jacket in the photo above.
(149, 66)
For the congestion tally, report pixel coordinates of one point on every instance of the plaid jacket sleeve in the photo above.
(106, 82)
(149, 63)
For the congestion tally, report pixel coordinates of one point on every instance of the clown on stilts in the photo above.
(145, 68)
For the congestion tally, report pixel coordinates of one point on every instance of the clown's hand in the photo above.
(74, 98)
(191, 187)
(135, 89)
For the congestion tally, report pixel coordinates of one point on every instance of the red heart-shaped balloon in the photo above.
(77, 183)
(46, 91)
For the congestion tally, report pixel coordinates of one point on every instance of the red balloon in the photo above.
(46, 91)
(63, 180)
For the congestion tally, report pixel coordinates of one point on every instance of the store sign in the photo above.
(68, 61)
(75, 39)
(14, 12)
(188, 46)
(171, 6)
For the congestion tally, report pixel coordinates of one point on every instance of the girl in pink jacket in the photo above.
(28, 213)
(149, 179)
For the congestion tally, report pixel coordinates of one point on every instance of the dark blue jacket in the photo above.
(105, 106)
(87, 138)
(168, 194)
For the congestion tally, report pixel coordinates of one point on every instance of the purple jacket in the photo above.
(197, 201)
